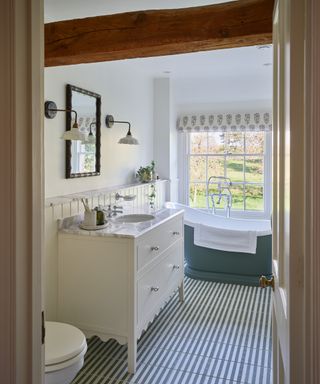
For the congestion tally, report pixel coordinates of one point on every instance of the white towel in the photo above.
(225, 239)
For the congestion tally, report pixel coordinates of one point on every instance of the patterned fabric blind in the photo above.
(224, 122)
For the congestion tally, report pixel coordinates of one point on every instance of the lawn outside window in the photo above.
(244, 157)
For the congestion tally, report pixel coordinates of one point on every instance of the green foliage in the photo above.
(253, 196)
(145, 174)
(152, 196)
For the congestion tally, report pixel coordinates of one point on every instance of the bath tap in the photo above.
(226, 197)
(223, 185)
(112, 211)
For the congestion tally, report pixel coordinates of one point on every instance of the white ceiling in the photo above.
(75, 9)
(225, 63)
(243, 65)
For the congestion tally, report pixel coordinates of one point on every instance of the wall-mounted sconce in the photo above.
(128, 139)
(90, 139)
(50, 111)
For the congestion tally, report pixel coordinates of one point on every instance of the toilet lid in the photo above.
(63, 342)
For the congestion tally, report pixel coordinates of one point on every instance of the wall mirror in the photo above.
(83, 158)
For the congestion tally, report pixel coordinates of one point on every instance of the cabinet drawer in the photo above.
(153, 243)
(157, 285)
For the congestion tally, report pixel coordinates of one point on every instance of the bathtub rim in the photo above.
(193, 223)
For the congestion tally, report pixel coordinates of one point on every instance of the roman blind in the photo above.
(225, 122)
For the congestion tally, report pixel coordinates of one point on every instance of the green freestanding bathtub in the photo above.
(223, 266)
(227, 267)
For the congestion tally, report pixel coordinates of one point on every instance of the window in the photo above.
(83, 156)
(244, 157)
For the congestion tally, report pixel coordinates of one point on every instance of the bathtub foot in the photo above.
(181, 292)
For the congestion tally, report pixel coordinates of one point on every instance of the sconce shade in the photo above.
(50, 111)
(74, 134)
(90, 139)
(128, 139)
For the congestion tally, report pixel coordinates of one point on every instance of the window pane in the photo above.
(197, 168)
(235, 168)
(88, 148)
(197, 195)
(254, 198)
(89, 160)
(234, 142)
(237, 197)
(254, 169)
(216, 142)
(215, 166)
(255, 142)
(198, 142)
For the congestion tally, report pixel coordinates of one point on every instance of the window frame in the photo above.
(184, 146)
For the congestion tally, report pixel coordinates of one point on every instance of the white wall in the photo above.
(162, 106)
(227, 106)
(224, 90)
(165, 135)
(127, 95)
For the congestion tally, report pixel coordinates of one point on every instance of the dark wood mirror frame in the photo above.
(69, 90)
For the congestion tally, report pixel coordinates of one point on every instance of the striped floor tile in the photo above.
(221, 334)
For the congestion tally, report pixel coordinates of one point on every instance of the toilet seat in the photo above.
(65, 345)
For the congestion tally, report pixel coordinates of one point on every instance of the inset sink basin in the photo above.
(134, 218)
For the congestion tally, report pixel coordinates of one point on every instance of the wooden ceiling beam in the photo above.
(158, 32)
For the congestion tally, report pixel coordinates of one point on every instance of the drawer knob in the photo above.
(176, 267)
(154, 289)
(176, 233)
(155, 248)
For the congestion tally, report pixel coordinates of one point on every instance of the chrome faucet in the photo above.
(112, 211)
(223, 186)
(118, 196)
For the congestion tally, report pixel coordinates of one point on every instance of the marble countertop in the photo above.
(70, 225)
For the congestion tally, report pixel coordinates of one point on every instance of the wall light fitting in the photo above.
(50, 111)
(90, 139)
(128, 139)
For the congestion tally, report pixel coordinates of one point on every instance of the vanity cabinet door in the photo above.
(153, 243)
(158, 284)
(93, 284)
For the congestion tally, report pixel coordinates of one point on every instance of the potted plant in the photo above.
(145, 174)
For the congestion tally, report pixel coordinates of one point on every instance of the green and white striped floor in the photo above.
(220, 334)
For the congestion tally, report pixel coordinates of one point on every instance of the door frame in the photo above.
(289, 190)
(22, 194)
(312, 196)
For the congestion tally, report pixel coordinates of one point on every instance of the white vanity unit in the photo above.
(113, 282)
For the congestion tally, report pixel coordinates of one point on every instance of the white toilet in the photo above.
(65, 348)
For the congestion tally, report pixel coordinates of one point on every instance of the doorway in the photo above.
(24, 353)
